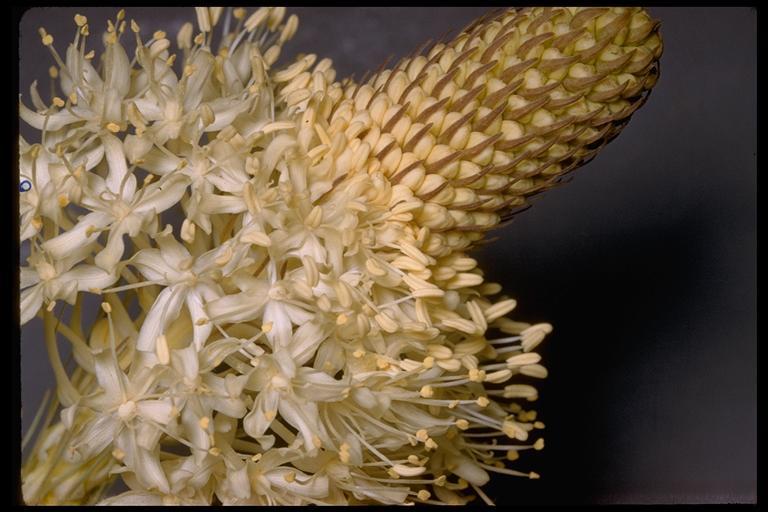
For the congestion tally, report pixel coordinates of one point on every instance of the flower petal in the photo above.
(163, 195)
(197, 312)
(28, 277)
(31, 300)
(89, 277)
(109, 375)
(60, 246)
(112, 253)
(303, 416)
(118, 168)
(159, 411)
(185, 362)
(154, 267)
(164, 310)
(260, 418)
(237, 308)
(97, 435)
(50, 122)
(149, 472)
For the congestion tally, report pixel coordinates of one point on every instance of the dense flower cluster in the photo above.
(288, 315)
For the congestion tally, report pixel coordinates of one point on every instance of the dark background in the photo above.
(645, 264)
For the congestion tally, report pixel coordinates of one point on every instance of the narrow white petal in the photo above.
(97, 435)
(109, 376)
(60, 246)
(149, 471)
(28, 277)
(153, 266)
(306, 339)
(54, 121)
(165, 309)
(159, 411)
(257, 421)
(163, 195)
(196, 312)
(240, 307)
(89, 276)
(304, 418)
(185, 362)
(173, 252)
(113, 251)
(31, 300)
(213, 203)
(118, 169)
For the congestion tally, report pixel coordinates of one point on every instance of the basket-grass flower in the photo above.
(287, 312)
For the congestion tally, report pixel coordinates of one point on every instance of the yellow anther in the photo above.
(53, 72)
(162, 351)
(80, 20)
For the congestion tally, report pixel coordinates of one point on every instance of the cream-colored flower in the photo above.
(307, 328)
(48, 279)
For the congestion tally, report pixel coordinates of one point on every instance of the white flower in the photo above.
(188, 280)
(49, 279)
(312, 333)
(117, 206)
(125, 416)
